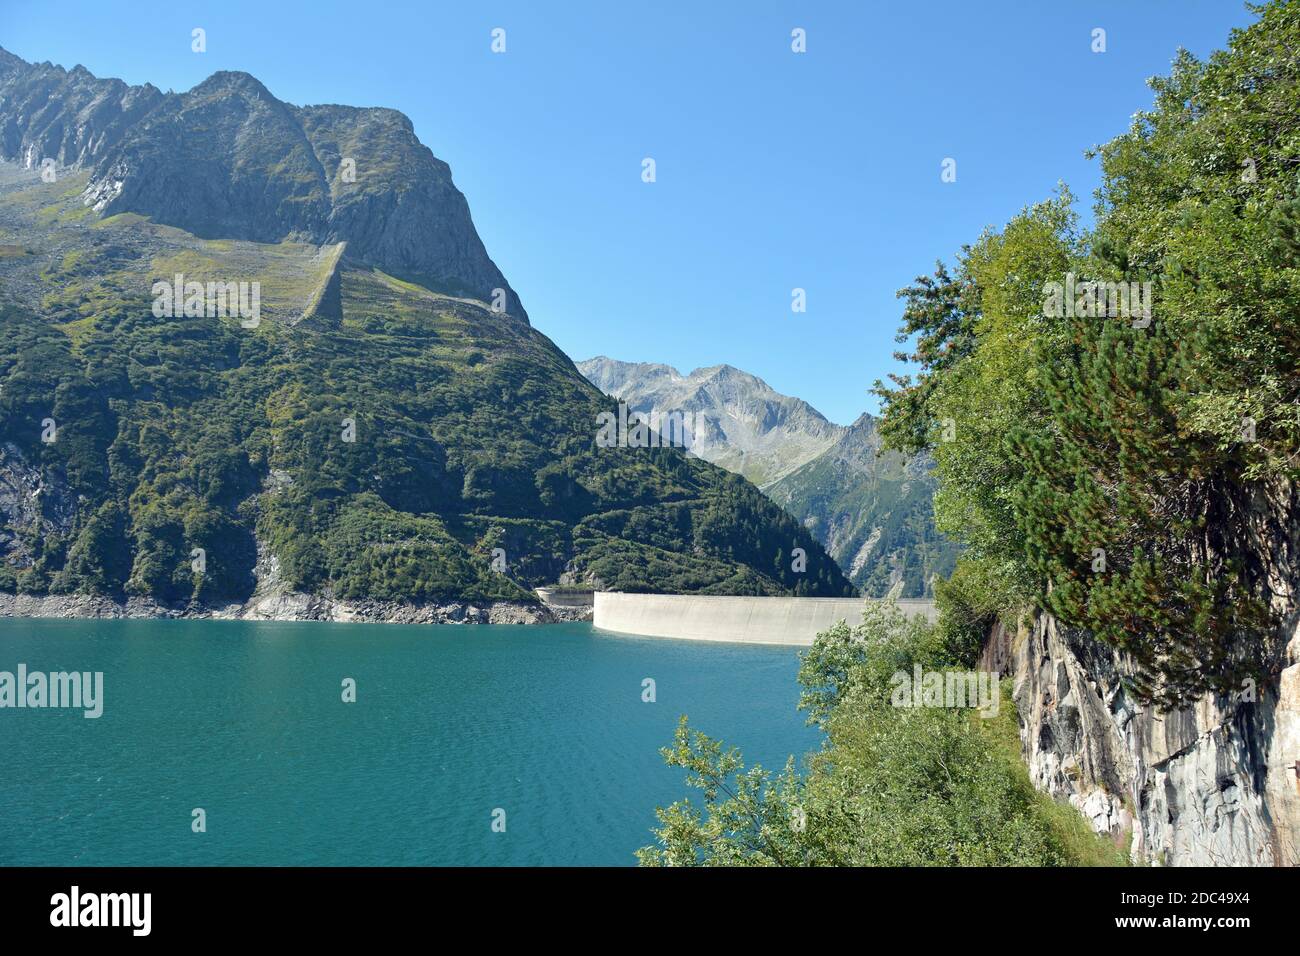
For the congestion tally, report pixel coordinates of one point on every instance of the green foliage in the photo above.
(846, 661)
(977, 329)
(749, 817)
(970, 602)
(892, 786)
(101, 556)
(1123, 511)
(1130, 477)
(471, 433)
(941, 313)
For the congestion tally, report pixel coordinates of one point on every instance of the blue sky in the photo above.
(774, 170)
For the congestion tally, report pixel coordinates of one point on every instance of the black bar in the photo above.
(333, 905)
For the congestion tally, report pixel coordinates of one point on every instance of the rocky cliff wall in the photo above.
(1213, 784)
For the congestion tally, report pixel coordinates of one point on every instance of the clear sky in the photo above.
(775, 170)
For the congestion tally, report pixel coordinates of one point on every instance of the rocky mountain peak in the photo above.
(870, 508)
(230, 80)
(749, 427)
(228, 160)
(9, 62)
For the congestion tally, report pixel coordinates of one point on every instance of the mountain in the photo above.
(227, 160)
(229, 368)
(870, 508)
(750, 428)
(873, 511)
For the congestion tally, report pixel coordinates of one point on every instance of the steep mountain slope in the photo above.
(873, 511)
(376, 431)
(869, 508)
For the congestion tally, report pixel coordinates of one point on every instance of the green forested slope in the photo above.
(872, 509)
(472, 432)
(386, 429)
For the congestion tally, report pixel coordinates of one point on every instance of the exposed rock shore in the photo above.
(292, 607)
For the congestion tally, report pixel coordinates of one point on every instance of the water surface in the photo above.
(246, 721)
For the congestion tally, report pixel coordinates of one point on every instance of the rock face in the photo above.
(871, 509)
(228, 160)
(32, 504)
(1213, 784)
(65, 115)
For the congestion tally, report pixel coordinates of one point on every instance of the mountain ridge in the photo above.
(750, 429)
(228, 159)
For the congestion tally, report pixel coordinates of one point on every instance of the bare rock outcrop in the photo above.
(1211, 784)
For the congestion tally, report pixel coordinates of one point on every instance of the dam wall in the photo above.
(559, 598)
(746, 620)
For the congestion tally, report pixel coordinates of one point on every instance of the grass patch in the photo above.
(1085, 846)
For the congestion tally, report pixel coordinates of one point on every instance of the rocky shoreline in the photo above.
(292, 606)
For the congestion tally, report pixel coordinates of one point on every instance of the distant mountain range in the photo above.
(376, 421)
(752, 429)
(870, 508)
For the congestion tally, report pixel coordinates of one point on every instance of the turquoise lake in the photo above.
(246, 721)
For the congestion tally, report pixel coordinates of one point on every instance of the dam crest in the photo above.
(745, 620)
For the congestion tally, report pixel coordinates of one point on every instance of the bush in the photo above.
(892, 786)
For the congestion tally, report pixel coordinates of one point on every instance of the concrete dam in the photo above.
(746, 620)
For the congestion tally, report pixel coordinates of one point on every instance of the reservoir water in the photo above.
(247, 722)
